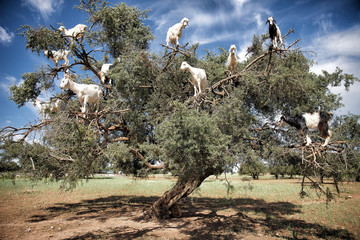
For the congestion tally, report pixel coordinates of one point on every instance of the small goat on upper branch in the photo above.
(274, 32)
(104, 69)
(198, 75)
(232, 59)
(76, 32)
(58, 55)
(310, 121)
(49, 106)
(174, 33)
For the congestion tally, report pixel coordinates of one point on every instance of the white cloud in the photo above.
(5, 36)
(329, 64)
(33, 109)
(239, 3)
(346, 42)
(258, 20)
(324, 22)
(45, 7)
(340, 49)
(8, 81)
(207, 39)
(351, 99)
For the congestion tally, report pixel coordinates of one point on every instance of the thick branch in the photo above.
(25, 131)
(61, 158)
(176, 50)
(150, 166)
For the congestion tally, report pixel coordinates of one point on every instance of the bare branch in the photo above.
(24, 131)
(150, 166)
(61, 158)
(176, 50)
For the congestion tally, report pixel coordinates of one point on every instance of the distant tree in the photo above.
(150, 120)
(7, 163)
(288, 164)
(348, 127)
(252, 167)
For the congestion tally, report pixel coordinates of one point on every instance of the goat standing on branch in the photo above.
(198, 75)
(76, 32)
(274, 32)
(58, 55)
(174, 33)
(50, 106)
(232, 59)
(310, 121)
(104, 69)
(87, 93)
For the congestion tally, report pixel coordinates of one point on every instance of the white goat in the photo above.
(76, 32)
(274, 32)
(104, 69)
(58, 55)
(174, 33)
(232, 59)
(87, 93)
(310, 121)
(198, 76)
(49, 106)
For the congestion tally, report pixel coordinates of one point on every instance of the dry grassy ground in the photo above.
(112, 208)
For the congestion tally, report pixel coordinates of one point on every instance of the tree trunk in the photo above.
(168, 204)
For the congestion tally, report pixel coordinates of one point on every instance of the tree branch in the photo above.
(176, 50)
(61, 158)
(150, 166)
(242, 72)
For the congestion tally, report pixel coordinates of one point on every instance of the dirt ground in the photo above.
(32, 215)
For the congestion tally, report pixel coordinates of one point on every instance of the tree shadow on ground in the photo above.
(203, 218)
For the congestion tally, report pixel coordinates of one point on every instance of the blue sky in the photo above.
(329, 32)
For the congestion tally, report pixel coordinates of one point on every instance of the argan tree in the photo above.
(149, 118)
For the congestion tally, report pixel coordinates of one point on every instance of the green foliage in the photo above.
(40, 39)
(348, 127)
(8, 163)
(31, 87)
(284, 164)
(120, 30)
(191, 143)
(253, 167)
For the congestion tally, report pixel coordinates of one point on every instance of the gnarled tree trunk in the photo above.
(168, 203)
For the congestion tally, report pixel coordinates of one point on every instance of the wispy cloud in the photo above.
(6, 83)
(45, 7)
(338, 49)
(345, 42)
(324, 22)
(5, 36)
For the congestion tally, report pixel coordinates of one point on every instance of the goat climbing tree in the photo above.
(149, 119)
